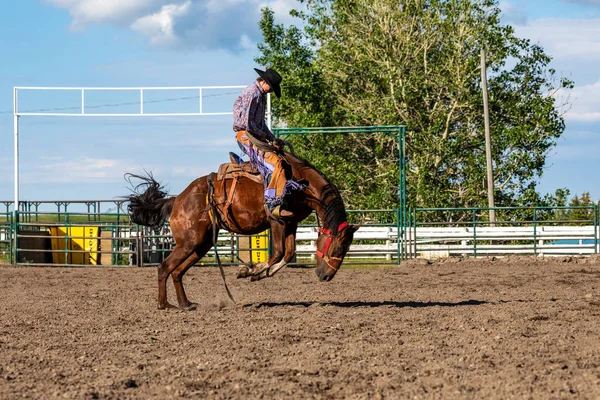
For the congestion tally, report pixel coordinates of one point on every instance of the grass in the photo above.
(75, 218)
(4, 258)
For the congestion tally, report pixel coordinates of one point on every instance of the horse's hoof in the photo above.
(190, 307)
(259, 270)
(262, 275)
(244, 272)
(165, 306)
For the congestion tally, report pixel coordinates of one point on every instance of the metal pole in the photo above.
(401, 215)
(403, 200)
(534, 233)
(200, 100)
(15, 220)
(488, 150)
(595, 229)
(16, 156)
(16, 149)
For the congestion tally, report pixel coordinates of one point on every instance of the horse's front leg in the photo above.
(290, 251)
(278, 249)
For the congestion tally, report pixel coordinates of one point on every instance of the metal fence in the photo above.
(54, 233)
(6, 242)
(446, 232)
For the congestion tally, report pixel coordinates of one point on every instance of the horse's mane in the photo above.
(335, 211)
(331, 199)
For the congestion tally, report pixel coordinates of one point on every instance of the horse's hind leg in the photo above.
(178, 256)
(180, 271)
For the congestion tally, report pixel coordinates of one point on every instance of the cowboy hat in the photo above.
(272, 78)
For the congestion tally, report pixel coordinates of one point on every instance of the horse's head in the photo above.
(332, 248)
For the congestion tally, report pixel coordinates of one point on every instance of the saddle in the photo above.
(219, 198)
(237, 168)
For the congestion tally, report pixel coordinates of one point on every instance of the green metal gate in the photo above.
(6, 236)
(398, 133)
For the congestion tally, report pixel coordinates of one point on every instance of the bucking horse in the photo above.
(232, 199)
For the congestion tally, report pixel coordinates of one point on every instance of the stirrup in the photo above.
(235, 158)
(280, 213)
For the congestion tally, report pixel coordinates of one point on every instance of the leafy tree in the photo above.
(581, 213)
(417, 63)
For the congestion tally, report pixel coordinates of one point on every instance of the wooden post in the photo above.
(488, 149)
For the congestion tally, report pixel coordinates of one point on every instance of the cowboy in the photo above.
(249, 116)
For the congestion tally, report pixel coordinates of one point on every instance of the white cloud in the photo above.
(85, 11)
(246, 43)
(282, 9)
(158, 27)
(90, 170)
(218, 6)
(81, 169)
(565, 39)
(203, 24)
(585, 103)
(574, 45)
(513, 13)
(585, 2)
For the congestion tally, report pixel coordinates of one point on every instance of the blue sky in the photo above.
(209, 43)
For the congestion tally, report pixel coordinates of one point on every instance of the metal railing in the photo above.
(6, 237)
(517, 230)
(74, 238)
(65, 237)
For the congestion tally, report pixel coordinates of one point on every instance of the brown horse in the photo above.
(236, 205)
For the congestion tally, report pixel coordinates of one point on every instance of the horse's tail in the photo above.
(149, 204)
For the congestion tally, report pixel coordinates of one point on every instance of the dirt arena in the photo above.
(481, 329)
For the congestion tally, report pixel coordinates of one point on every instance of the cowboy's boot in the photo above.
(278, 212)
(234, 158)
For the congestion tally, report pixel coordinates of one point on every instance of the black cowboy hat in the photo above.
(272, 78)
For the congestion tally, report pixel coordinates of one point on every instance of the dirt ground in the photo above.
(481, 329)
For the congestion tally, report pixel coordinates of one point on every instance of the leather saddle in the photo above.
(220, 194)
(236, 169)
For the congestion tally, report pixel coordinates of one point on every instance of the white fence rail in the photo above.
(488, 241)
(428, 242)
(382, 242)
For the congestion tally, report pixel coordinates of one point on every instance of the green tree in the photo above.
(580, 214)
(417, 63)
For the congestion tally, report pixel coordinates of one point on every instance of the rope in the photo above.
(267, 146)
(215, 230)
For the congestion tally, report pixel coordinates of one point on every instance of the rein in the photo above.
(323, 254)
(267, 146)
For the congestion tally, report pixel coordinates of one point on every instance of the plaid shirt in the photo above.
(249, 111)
